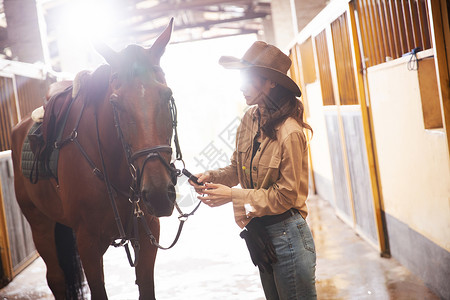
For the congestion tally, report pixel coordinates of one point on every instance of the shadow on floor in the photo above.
(211, 262)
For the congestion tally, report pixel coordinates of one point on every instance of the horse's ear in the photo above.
(111, 56)
(158, 48)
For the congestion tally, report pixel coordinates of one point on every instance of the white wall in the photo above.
(320, 151)
(413, 162)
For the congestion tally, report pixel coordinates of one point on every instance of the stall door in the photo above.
(346, 136)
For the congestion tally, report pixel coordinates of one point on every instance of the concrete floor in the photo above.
(211, 262)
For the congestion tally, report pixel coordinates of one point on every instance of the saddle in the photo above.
(39, 153)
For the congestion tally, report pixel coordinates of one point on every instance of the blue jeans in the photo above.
(294, 274)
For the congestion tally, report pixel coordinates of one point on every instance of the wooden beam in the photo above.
(206, 24)
(241, 32)
(188, 5)
(146, 39)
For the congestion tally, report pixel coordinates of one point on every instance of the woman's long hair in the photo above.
(279, 105)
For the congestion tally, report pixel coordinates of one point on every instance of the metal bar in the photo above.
(368, 29)
(418, 42)
(395, 29)
(407, 24)
(364, 34)
(401, 27)
(381, 31)
(349, 62)
(390, 45)
(424, 24)
(324, 69)
(376, 42)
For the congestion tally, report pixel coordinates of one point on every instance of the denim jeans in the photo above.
(294, 274)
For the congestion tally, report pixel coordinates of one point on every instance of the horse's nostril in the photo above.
(171, 192)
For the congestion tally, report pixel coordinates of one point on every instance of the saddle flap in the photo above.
(55, 110)
(36, 139)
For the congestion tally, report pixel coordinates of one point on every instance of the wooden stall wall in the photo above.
(342, 98)
(382, 70)
(22, 89)
(17, 244)
(31, 93)
(350, 115)
(8, 111)
(304, 68)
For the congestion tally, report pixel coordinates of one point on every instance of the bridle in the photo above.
(134, 196)
(135, 186)
(149, 153)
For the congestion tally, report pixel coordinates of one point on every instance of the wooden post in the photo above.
(440, 35)
(366, 115)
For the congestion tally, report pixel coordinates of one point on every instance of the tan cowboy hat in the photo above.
(265, 60)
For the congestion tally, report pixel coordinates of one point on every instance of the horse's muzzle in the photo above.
(160, 202)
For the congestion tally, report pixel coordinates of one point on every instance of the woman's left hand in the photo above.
(215, 194)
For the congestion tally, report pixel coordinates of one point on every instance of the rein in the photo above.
(134, 195)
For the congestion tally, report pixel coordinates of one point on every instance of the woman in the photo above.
(270, 164)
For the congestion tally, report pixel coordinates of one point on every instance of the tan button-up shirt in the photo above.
(279, 171)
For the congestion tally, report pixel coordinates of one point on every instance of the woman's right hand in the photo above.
(202, 178)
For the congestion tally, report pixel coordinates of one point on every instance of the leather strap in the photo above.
(274, 219)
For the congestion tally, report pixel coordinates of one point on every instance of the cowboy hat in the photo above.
(265, 60)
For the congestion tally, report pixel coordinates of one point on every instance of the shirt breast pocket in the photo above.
(243, 163)
(243, 148)
(269, 170)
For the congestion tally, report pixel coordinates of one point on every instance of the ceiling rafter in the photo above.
(170, 7)
(205, 24)
(146, 40)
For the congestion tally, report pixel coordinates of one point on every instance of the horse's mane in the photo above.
(91, 87)
(98, 83)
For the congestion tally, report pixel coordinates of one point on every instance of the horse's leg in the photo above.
(146, 263)
(43, 230)
(91, 249)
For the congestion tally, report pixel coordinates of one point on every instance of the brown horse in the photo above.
(96, 168)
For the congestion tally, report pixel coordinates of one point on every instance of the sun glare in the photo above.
(207, 95)
(84, 19)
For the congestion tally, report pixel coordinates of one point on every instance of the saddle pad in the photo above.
(46, 169)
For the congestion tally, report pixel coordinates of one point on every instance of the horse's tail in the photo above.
(69, 261)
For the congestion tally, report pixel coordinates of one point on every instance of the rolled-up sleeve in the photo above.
(228, 175)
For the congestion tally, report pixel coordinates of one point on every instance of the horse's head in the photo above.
(141, 101)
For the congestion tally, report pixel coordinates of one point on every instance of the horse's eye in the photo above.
(160, 79)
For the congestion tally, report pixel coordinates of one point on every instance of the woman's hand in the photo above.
(202, 178)
(215, 194)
